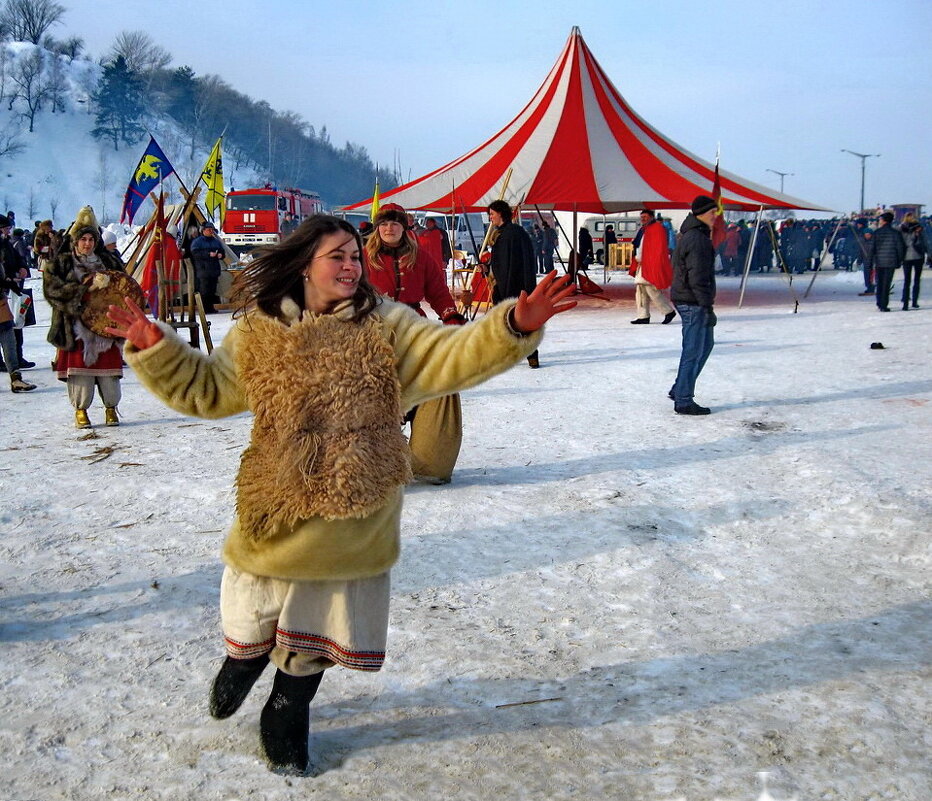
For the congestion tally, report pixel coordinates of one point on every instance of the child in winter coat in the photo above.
(328, 369)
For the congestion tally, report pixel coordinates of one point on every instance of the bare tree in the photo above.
(28, 20)
(142, 55)
(72, 47)
(102, 181)
(208, 112)
(10, 143)
(31, 204)
(55, 83)
(26, 77)
(4, 62)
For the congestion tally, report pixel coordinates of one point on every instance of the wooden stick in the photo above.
(526, 703)
(469, 311)
(203, 319)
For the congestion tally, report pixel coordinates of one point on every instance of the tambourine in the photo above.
(108, 288)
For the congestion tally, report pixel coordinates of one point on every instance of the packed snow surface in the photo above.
(609, 601)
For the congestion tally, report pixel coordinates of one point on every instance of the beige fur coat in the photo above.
(320, 485)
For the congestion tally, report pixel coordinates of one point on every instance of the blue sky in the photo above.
(782, 86)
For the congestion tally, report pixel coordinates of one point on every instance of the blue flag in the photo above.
(152, 168)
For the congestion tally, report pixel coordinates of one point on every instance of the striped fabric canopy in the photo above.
(578, 145)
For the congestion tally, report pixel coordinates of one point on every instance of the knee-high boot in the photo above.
(285, 720)
(233, 683)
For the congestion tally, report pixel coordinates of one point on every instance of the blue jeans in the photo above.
(698, 340)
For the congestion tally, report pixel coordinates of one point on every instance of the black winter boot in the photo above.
(283, 727)
(233, 683)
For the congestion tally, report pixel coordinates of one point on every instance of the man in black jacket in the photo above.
(513, 262)
(887, 249)
(207, 253)
(693, 294)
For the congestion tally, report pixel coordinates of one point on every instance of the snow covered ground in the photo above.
(609, 601)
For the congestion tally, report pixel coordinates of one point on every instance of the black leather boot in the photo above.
(233, 683)
(283, 727)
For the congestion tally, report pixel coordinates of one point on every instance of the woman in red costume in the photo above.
(402, 271)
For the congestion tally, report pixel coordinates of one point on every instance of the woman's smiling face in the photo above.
(333, 273)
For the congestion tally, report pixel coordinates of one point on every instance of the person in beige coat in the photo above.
(327, 369)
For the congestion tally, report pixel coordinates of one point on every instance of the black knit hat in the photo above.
(5, 221)
(703, 203)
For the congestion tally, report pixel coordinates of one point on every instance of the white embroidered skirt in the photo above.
(306, 626)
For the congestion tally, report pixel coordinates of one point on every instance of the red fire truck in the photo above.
(254, 216)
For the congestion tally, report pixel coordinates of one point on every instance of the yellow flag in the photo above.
(375, 201)
(212, 176)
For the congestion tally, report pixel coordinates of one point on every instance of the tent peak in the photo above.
(577, 117)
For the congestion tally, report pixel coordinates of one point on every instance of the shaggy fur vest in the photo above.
(326, 440)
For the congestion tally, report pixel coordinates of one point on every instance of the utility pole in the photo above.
(864, 157)
(782, 175)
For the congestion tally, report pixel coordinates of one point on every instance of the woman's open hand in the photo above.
(132, 325)
(547, 300)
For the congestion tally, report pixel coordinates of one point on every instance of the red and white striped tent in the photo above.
(578, 145)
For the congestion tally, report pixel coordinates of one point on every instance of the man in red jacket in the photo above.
(435, 242)
(654, 271)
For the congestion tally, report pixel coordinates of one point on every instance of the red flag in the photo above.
(718, 227)
(164, 250)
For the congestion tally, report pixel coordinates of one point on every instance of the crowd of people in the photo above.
(800, 246)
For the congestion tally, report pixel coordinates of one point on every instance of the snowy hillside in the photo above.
(62, 167)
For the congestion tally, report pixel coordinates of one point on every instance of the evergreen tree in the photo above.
(119, 102)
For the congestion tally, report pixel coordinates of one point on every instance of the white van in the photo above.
(626, 226)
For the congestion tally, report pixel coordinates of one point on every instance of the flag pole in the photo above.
(825, 250)
(450, 237)
(750, 256)
(781, 263)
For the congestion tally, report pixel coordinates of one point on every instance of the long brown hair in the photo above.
(406, 248)
(278, 272)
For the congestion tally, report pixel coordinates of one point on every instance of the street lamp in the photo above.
(864, 157)
(781, 174)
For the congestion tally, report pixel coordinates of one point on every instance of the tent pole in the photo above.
(569, 242)
(781, 264)
(574, 254)
(750, 257)
(450, 234)
(826, 247)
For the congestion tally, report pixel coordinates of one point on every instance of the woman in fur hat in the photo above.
(327, 368)
(400, 269)
(85, 360)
